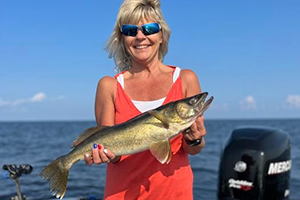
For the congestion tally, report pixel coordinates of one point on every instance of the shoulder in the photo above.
(107, 81)
(190, 82)
(107, 85)
(188, 75)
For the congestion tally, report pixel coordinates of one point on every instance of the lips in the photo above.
(141, 46)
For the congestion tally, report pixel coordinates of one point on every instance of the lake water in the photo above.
(38, 143)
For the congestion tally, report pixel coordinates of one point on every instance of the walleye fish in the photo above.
(151, 130)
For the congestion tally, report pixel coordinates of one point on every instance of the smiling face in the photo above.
(143, 49)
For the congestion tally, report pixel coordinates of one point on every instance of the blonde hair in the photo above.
(132, 12)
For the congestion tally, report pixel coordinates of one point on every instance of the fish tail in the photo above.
(57, 174)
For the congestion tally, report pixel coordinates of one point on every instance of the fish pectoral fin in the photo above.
(161, 117)
(85, 134)
(162, 151)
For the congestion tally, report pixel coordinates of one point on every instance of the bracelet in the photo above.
(193, 142)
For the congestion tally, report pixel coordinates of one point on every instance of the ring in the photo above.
(187, 130)
(108, 161)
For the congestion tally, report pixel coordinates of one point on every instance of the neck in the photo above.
(149, 68)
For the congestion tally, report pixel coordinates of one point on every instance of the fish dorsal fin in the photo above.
(162, 151)
(85, 134)
(161, 117)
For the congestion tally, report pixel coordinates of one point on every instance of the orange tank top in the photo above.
(141, 176)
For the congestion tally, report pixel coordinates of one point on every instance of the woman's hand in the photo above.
(100, 155)
(195, 132)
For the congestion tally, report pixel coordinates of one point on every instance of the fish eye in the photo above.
(193, 101)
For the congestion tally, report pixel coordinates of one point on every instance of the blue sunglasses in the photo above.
(147, 29)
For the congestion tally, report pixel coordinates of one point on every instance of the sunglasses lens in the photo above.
(129, 30)
(149, 29)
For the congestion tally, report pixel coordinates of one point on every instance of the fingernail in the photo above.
(99, 146)
(105, 151)
(86, 155)
(95, 146)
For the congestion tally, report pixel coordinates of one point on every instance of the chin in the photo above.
(145, 58)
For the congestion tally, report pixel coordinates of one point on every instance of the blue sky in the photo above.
(245, 53)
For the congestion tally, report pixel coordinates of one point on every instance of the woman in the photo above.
(138, 45)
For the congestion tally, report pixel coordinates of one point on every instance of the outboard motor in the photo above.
(255, 165)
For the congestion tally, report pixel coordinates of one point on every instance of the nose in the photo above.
(140, 35)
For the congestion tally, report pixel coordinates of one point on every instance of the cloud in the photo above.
(18, 102)
(4, 103)
(248, 103)
(293, 101)
(36, 98)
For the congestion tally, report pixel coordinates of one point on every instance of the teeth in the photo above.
(141, 47)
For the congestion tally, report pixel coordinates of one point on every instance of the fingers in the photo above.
(196, 130)
(104, 158)
(99, 155)
(96, 156)
(109, 154)
(87, 159)
(188, 137)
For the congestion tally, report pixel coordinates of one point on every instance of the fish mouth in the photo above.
(201, 100)
(201, 105)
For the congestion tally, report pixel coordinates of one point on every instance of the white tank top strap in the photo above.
(176, 74)
(120, 79)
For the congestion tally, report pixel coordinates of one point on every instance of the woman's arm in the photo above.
(104, 101)
(191, 87)
(105, 114)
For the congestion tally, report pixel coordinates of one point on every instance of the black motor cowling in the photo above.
(255, 165)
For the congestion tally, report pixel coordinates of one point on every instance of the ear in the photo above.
(161, 38)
